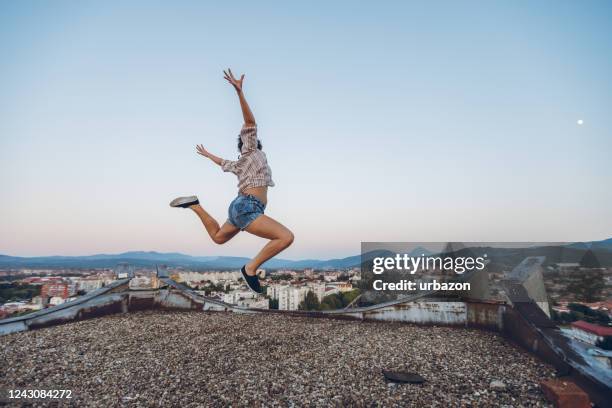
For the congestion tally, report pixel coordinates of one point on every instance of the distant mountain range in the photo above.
(565, 253)
(141, 258)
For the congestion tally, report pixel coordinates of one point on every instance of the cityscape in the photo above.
(28, 290)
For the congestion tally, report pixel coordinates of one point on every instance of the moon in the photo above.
(580, 121)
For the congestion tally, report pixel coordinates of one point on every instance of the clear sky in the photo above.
(382, 121)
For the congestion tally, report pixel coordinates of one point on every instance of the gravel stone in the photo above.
(197, 359)
(497, 385)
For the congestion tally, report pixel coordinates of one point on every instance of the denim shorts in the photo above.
(244, 210)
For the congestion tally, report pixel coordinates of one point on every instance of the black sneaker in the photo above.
(251, 281)
(184, 202)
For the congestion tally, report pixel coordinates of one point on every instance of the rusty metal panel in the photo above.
(485, 315)
(101, 309)
(177, 300)
(142, 301)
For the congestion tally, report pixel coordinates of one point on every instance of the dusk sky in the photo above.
(402, 121)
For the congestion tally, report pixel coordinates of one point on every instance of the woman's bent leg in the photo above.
(280, 238)
(219, 235)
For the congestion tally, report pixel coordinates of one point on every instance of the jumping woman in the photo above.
(246, 212)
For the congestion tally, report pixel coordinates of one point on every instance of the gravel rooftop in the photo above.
(195, 359)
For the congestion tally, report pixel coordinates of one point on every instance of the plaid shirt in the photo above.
(252, 166)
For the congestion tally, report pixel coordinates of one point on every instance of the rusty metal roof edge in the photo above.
(576, 363)
(77, 301)
(582, 368)
(204, 299)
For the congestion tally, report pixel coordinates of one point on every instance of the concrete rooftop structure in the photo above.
(202, 359)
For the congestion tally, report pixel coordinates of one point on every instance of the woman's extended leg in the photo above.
(280, 238)
(219, 235)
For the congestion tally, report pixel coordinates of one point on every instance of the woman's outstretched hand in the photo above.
(202, 151)
(236, 83)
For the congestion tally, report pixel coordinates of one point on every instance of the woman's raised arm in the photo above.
(249, 119)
